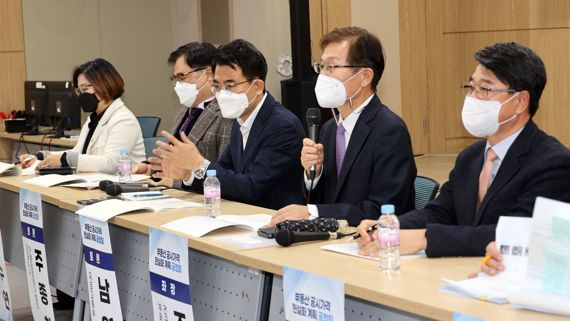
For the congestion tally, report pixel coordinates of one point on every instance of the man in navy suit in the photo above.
(260, 165)
(364, 158)
(499, 176)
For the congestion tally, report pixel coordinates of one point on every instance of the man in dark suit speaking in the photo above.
(364, 156)
(499, 176)
(260, 165)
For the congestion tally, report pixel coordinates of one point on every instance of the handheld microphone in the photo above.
(115, 189)
(288, 237)
(104, 183)
(313, 117)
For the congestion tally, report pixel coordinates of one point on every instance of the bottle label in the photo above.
(389, 236)
(211, 193)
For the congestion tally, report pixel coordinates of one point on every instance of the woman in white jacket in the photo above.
(110, 127)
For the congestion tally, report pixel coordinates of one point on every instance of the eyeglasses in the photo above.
(184, 75)
(216, 88)
(81, 89)
(482, 92)
(319, 66)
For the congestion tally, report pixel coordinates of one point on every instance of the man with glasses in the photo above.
(260, 165)
(364, 155)
(500, 175)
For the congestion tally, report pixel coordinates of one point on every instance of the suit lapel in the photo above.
(357, 139)
(472, 184)
(202, 124)
(510, 166)
(116, 105)
(179, 116)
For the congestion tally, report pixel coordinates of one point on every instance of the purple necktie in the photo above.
(192, 114)
(340, 147)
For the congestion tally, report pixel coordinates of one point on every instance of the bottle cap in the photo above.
(387, 208)
(211, 172)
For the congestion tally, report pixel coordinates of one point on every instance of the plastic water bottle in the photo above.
(212, 193)
(389, 239)
(125, 166)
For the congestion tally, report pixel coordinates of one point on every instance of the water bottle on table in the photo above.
(212, 193)
(389, 239)
(124, 166)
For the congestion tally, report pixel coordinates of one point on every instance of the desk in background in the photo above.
(9, 143)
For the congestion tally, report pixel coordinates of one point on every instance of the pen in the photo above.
(368, 230)
(485, 260)
(147, 195)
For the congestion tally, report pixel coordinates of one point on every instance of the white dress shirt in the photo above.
(501, 148)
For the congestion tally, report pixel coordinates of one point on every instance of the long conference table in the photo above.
(229, 283)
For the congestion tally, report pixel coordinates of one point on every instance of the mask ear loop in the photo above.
(334, 116)
(201, 78)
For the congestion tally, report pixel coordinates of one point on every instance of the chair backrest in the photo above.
(426, 189)
(150, 144)
(149, 125)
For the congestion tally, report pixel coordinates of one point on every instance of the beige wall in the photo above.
(381, 18)
(134, 35)
(266, 25)
(184, 21)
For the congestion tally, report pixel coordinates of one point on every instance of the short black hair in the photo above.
(197, 54)
(517, 66)
(365, 49)
(243, 54)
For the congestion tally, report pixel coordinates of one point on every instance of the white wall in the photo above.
(266, 25)
(134, 35)
(381, 17)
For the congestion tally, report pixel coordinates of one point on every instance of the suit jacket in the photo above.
(268, 172)
(378, 167)
(210, 133)
(117, 128)
(535, 165)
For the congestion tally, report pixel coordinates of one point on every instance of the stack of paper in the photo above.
(352, 249)
(9, 169)
(199, 226)
(105, 210)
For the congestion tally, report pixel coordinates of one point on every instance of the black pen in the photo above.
(368, 230)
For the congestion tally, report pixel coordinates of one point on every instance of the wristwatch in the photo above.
(200, 171)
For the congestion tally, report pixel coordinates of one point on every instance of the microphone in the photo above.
(288, 237)
(313, 117)
(114, 189)
(104, 183)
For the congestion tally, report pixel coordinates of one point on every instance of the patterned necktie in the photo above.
(340, 147)
(192, 114)
(484, 178)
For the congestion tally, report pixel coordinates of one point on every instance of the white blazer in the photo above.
(117, 128)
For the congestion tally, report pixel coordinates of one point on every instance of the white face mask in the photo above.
(330, 91)
(232, 105)
(481, 117)
(186, 92)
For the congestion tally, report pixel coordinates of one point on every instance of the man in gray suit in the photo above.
(199, 117)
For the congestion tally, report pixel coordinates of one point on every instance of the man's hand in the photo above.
(493, 261)
(412, 241)
(26, 160)
(312, 154)
(290, 212)
(50, 161)
(182, 154)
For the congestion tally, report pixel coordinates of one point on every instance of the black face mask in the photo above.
(88, 102)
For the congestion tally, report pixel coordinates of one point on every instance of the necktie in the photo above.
(340, 147)
(192, 115)
(485, 176)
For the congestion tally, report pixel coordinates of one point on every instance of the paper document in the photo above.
(246, 241)
(105, 210)
(512, 239)
(199, 226)
(546, 286)
(56, 179)
(95, 184)
(30, 170)
(352, 249)
(9, 169)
